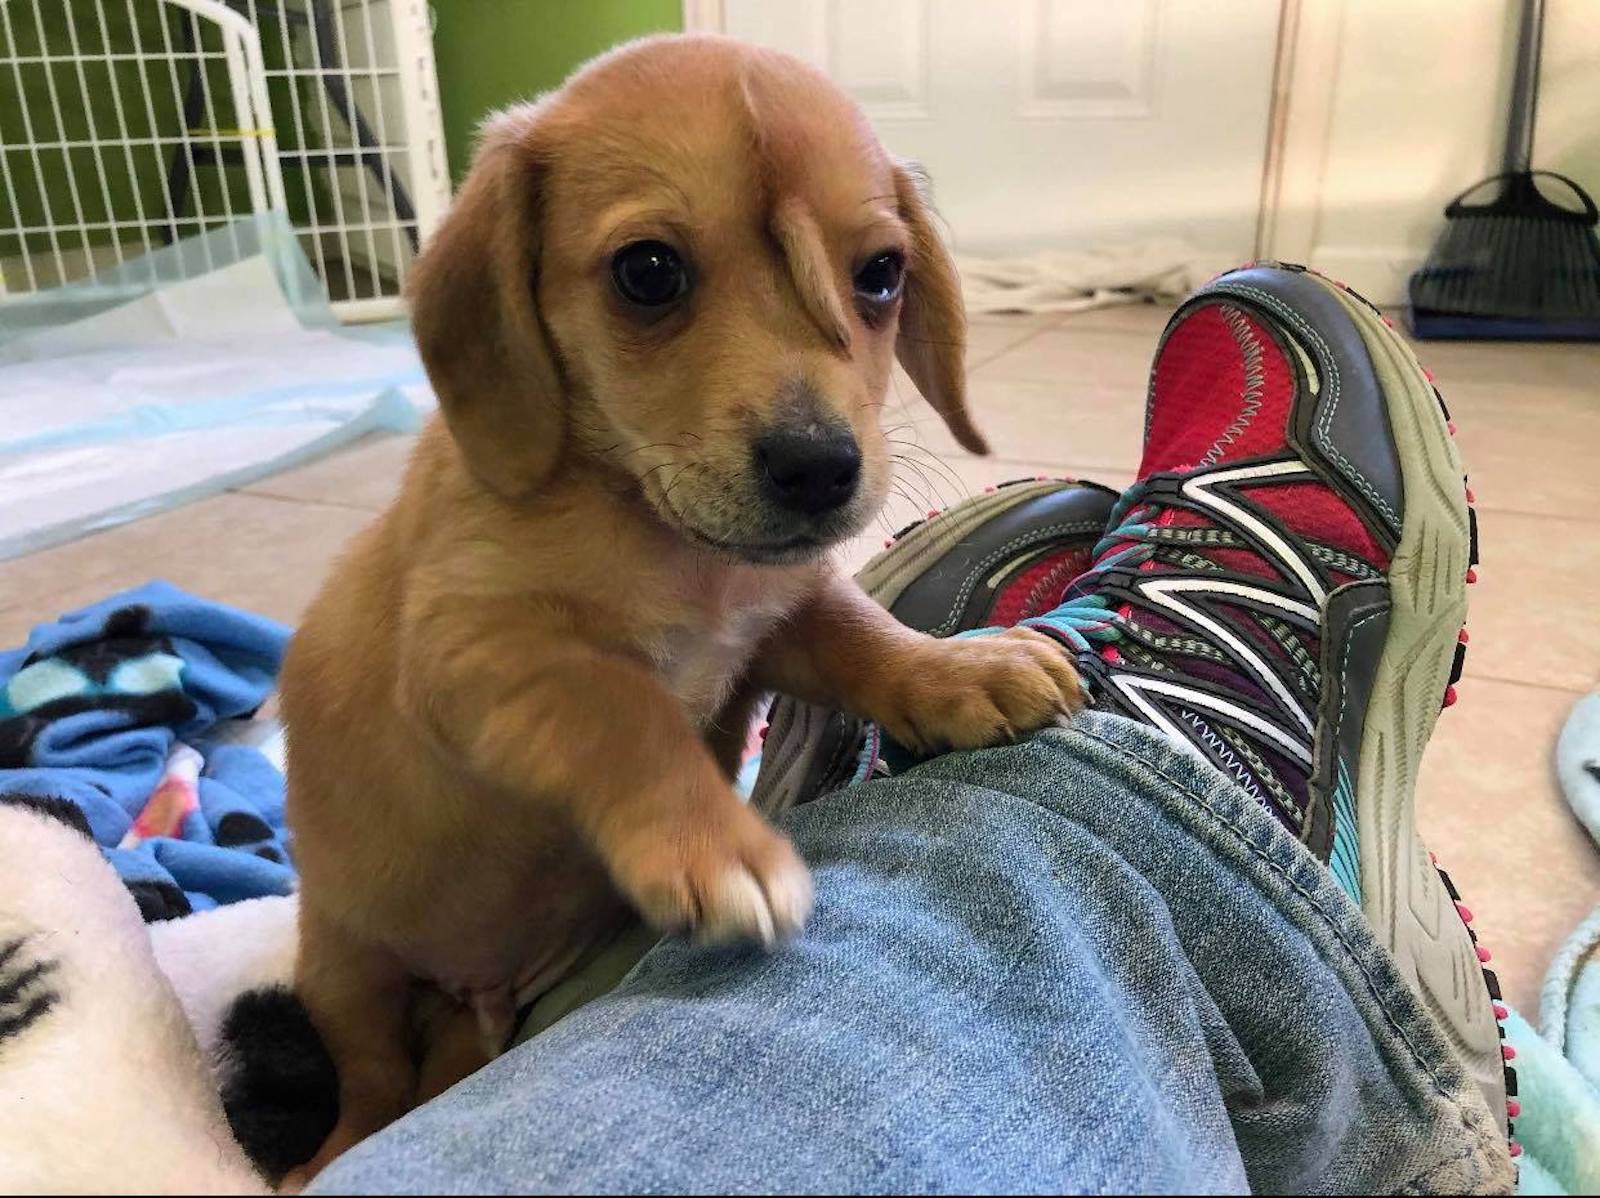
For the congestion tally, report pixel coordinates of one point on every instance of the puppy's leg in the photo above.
(928, 694)
(358, 996)
(536, 708)
(727, 736)
(453, 1045)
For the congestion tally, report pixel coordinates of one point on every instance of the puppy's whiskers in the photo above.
(645, 448)
(921, 459)
(924, 496)
(683, 470)
(644, 479)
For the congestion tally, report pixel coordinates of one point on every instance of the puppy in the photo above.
(661, 319)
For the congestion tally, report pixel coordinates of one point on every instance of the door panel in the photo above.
(1052, 124)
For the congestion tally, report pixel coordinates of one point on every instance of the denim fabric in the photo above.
(1086, 962)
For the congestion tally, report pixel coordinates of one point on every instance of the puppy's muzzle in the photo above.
(810, 468)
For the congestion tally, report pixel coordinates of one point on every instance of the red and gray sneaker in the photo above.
(1282, 592)
(992, 560)
(1283, 589)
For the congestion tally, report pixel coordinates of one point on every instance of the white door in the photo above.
(1050, 124)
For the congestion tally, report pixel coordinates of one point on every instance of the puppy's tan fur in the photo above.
(515, 706)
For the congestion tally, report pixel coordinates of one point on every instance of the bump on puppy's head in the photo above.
(693, 266)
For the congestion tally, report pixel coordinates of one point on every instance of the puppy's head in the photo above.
(693, 265)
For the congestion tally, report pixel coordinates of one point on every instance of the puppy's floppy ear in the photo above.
(476, 318)
(933, 323)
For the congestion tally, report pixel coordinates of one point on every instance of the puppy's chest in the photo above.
(703, 647)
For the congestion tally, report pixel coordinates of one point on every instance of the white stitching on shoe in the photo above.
(1255, 381)
(1133, 686)
(1325, 420)
(1224, 750)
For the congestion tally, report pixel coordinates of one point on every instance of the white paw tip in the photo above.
(737, 911)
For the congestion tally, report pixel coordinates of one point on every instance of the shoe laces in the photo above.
(1084, 619)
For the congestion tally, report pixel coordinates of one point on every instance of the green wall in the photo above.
(492, 52)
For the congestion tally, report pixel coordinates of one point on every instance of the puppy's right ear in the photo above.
(476, 318)
(932, 344)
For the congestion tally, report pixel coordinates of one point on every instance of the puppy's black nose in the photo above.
(811, 469)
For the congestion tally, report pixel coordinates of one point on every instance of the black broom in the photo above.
(1520, 266)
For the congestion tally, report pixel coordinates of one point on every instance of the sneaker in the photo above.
(992, 560)
(1282, 592)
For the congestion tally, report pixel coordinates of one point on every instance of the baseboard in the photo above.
(1380, 274)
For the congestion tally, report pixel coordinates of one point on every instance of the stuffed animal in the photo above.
(144, 1058)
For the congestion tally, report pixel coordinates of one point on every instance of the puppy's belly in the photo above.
(498, 922)
(472, 890)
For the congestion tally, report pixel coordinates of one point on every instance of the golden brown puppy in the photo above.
(660, 319)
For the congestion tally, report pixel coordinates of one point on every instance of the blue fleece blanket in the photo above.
(112, 716)
(1558, 1071)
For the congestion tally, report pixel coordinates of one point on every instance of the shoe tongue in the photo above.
(1220, 392)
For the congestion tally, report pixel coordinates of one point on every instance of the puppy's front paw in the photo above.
(980, 691)
(725, 880)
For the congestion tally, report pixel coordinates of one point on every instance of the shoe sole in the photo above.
(1405, 897)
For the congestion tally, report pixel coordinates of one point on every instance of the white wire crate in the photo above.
(360, 140)
(92, 137)
(125, 124)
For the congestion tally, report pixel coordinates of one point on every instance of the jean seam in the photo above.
(1372, 985)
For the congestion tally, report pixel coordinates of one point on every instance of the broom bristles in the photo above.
(1495, 261)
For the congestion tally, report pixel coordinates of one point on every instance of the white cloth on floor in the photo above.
(180, 374)
(1074, 280)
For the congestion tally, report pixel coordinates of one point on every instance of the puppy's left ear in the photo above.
(933, 323)
(476, 320)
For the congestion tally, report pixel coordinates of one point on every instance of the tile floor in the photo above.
(1064, 395)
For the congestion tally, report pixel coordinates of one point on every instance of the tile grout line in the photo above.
(974, 366)
(251, 493)
(1576, 693)
(1544, 517)
(983, 363)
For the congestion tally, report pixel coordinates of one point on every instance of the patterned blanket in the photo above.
(121, 718)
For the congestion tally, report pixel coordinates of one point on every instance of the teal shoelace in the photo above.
(1084, 619)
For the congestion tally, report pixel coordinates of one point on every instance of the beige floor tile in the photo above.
(1143, 320)
(266, 555)
(1534, 615)
(365, 475)
(1490, 807)
(990, 336)
(1068, 400)
(1509, 365)
(1073, 359)
(1072, 392)
(1529, 447)
(1067, 421)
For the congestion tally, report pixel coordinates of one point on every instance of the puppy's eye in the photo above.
(649, 274)
(879, 280)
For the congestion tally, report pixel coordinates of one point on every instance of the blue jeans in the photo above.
(1086, 962)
